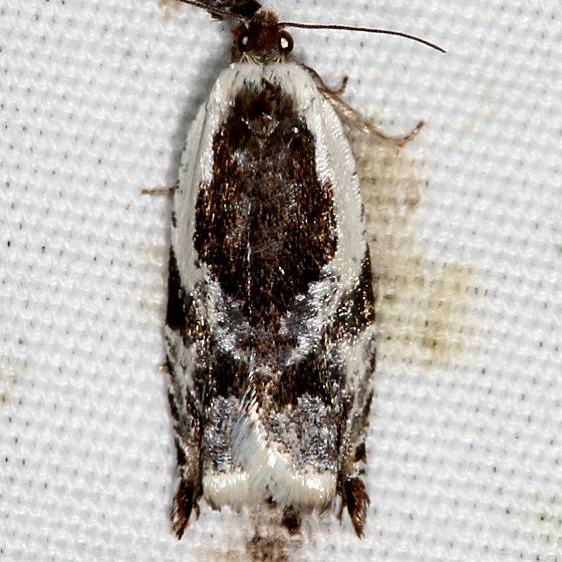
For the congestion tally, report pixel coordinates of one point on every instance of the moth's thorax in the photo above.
(261, 40)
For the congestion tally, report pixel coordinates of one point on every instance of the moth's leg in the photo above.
(354, 119)
(187, 436)
(340, 89)
(167, 191)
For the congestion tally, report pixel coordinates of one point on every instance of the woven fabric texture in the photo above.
(465, 446)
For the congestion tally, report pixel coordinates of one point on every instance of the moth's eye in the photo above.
(243, 41)
(285, 42)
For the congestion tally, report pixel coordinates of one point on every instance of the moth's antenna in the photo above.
(363, 29)
(213, 10)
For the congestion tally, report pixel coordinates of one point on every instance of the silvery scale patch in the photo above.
(270, 321)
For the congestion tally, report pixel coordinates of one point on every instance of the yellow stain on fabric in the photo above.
(423, 317)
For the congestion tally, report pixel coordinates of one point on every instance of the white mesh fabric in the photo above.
(464, 444)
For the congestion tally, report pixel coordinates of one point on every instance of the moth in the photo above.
(270, 327)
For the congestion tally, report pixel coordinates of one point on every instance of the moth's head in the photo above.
(261, 39)
(258, 34)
